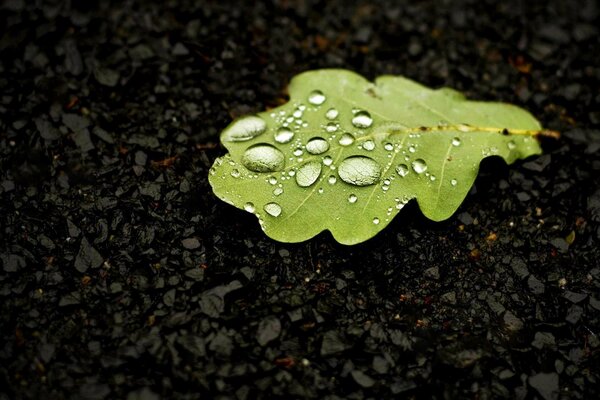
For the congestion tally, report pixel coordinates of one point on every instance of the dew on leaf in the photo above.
(298, 152)
(402, 170)
(388, 146)
(419, 166)
(332, 180)
(273, 209)
(376, 221)
(346, 139)
(284, 135)
(362, 119)
(352, 199)
(244, 129)
(327, 160)
(456, 142)
(453, 182)
(511, 145)
(359, 171)
(308, 173)
(317, 145)
(277, 191)
(263, 158)
(316, 98)
(331, 114)
(412, 148)
(331, 127)
(297, 114)
(369, 145)
(235, 173)
(249, 207)
(272, 180)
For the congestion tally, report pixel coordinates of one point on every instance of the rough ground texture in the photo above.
(122, 276)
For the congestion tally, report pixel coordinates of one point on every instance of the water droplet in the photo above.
(273, 209)
(433, 178)
(331, 127)
(419, 166)
(327, 160)
(243, 129)
(317, 145)
(369, 145)
(263, 158)
(235, 173)
(316, 98)
(284, 135)
(352, 199)
(412, 148)
(359, 171)
(511, 145)
(332, 180)
(388, 146)
(346, 139)
(277, 191)
(402, 170)
(249, 207)
(376, 221)
(453, 182)
(308, 173)
(297, 114)
(298, 152)
(362, 119)
(332, 113)
(463, 127)
(272, 180)
(456, 142)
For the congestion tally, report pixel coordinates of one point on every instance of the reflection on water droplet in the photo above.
(316, 98)
(263, 158)
(273, 209)
(284, 135)
(352, 199)
(332, 180)
(249, 207)
(327, 160)
(388, 146)
(359, 171)
(402, 170)
(244, 129)
(331, 127)
(432, 177)
(369, 145)
(362, 119)
(297, 114)
(332, 113)
(453, 182)
(511, 145)
(308, 173)
(272, 180)
(456, 142)
(235, 173)
(412, 148)
(298, 152)
(277, 191)
(419, 166)
(376, 221)
(346, 139)
(317, 145)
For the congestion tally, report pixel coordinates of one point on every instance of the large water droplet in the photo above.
(273, 209)
(419, 166)
(359, 171)
(362, 119)
(456, 142)
(316, 98)
(249, 207)
(244, 129)
(402, 170)
(317, 145)
(332, 113)
(369, 145)
(352, 199)
(308, 173)
(284, 135)
(346, 139)
(263, 158)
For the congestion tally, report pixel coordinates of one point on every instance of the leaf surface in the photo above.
(345, 154)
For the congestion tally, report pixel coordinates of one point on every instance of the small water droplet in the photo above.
(243, 129)
(332, 113)
(412, 148)
(263, 158)
(235, 173)
(433, 178)
(249, 207)
(284, 135)
(332, 180)
(331, 127)
(308, 173)
(419, 166)
(327, 160)
(402, 170)
(273, 209)
(297, 114)
(316, 98)
(453, 182)
(456, 142)
(362, 119)
(369, 145)
(317, 145)
(346, 139)
(511, 145)
(352, 199)
(277, 191)
(388, 146)
(359, 171)
(272, 180)
(463, 127)
(298, 152)
(376, 221)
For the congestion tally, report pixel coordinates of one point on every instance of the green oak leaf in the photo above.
(346, 155)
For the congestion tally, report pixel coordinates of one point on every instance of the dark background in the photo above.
(122, 276)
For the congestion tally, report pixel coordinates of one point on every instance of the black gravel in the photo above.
(122, 276)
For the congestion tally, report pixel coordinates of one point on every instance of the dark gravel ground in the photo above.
(122, 276)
